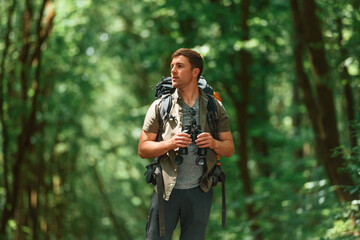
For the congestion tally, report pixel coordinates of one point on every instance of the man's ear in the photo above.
(196, 71)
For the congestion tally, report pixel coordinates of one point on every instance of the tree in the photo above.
(29, 125)
(321, 108)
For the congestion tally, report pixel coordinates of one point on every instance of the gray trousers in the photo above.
(191, 206)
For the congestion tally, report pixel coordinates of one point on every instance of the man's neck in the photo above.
(189, 95)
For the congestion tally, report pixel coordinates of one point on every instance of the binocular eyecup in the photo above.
(201, 159)
(193, 130)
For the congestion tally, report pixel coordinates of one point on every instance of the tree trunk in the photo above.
(242, 80)
(5, 136)
(327, 115)
(29, 123)
(36, 183)
(348, 94)
(308, 97)
(24, 56)
(20, 215)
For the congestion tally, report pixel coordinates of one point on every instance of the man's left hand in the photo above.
(205, 140)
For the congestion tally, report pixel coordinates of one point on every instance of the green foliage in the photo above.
(99, 66)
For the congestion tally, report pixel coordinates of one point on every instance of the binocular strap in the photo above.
(160, 192)
(223, 204)
(219, 176)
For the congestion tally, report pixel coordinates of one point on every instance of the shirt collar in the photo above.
(177, 97)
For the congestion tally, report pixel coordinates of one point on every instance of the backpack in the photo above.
(164, 90)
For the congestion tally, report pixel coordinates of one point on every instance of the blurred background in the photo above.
(77, 78)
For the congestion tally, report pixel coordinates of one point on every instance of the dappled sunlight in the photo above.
(77, 78)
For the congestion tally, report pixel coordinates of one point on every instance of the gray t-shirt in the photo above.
(189, 173)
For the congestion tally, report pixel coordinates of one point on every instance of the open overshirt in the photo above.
(173, 125)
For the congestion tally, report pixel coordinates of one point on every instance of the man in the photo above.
(187, 189)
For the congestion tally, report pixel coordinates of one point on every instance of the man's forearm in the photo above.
(151, 149)
(224, 148)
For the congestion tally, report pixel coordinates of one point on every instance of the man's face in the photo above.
(181, 72)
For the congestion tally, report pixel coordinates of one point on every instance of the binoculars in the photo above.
(193, 130)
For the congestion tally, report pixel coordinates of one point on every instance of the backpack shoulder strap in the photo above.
(212, 116)
(165, 108)
(164, 90)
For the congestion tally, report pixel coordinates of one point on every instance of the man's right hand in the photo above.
(149, 147)
(179, 140)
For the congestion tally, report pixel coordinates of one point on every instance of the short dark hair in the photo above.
(195, 58)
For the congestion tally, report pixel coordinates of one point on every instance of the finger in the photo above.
(186, 139)
(184, 134)
(202, 139)
(183, 140)
(202, 142)
(202, 135)
(183, 145)
(204, 146)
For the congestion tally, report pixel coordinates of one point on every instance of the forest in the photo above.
(76, 80)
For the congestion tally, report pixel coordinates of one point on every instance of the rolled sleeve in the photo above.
(151, 122)
(224, 125)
